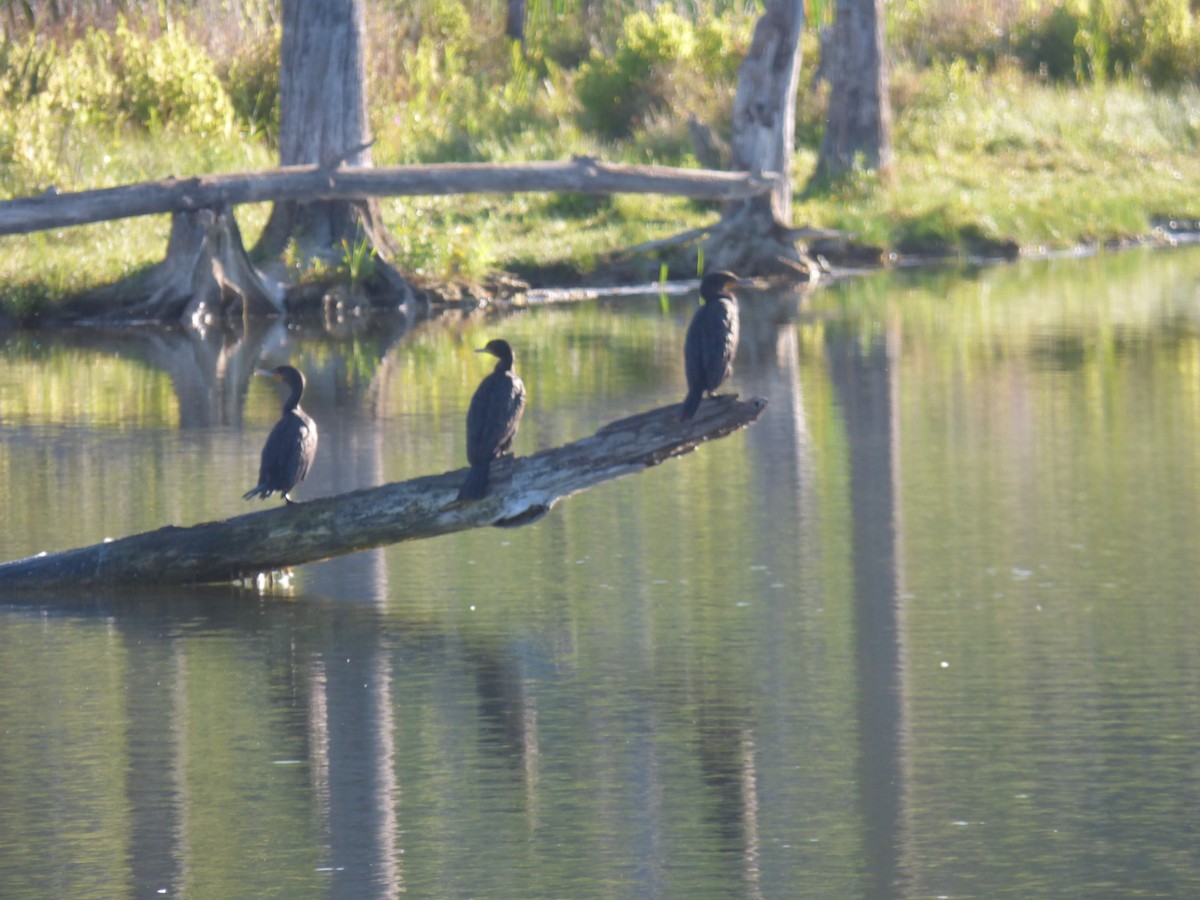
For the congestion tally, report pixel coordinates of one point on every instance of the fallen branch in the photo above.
(523, 490)
(309, 183)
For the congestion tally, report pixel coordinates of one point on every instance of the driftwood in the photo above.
(309, 183)
(522, 491)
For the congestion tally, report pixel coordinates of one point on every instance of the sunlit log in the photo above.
(522, 491)
(309, 183)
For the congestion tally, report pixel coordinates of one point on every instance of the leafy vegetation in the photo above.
(1014, 121)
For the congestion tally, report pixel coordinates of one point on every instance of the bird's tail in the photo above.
(476, 482)
(257, 491)
(691, 403)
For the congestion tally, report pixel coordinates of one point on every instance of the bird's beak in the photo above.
(265, 372)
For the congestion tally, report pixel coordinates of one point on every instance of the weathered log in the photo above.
(522, 491)
(307, 183)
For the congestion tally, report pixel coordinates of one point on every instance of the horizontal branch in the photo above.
(309, 183)
(522, 491)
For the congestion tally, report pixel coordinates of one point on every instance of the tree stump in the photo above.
(205, 275)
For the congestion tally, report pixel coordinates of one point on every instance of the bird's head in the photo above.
(289, 375)
(717, 284)
(499, 349)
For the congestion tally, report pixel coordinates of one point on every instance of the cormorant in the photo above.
(291, 445)
(492, 419)
(712, 339)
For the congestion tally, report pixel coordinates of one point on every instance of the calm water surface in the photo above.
(929, 629)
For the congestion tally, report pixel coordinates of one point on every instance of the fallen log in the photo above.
(522, 491)
(309, 183)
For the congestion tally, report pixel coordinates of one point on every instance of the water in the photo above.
(928, 629)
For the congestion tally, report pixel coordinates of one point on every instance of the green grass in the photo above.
(1006, 157)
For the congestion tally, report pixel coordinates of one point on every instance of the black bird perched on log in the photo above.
(291, 445)
(712, 339)
(492, 418)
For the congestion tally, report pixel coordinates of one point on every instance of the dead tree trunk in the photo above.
(764, 108)
(323, 122)
(755, 235)
(522, 491)
(514, 21)
(858, 126)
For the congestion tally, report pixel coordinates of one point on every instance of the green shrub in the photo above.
(1047, 46)
(1171, 42)
(1070, 40)
(616, 92)
(83, 84)
(171, 80)
(24, 68)
(251, 80)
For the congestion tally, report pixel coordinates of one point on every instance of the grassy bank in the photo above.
(1013, 122)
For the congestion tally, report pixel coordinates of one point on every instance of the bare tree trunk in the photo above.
(754, 235)
(323, 121)
(514, 25)
(858, 126)
(764, 108)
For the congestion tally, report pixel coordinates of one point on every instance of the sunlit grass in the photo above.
(1003, 157)
(50, 264)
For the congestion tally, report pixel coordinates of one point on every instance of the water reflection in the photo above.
(926, 629)
(866, 382)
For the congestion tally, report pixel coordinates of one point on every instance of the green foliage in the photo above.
(251, 79)
(171, 80)
(437, 237)
(617, 92)
(1171, 53)
(661, 62)
(24, 66)
(446, 22)
(1083, 41)
(74, 105)
(462, 101)
(358, 261)
(84, 84)
(1047, 46)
